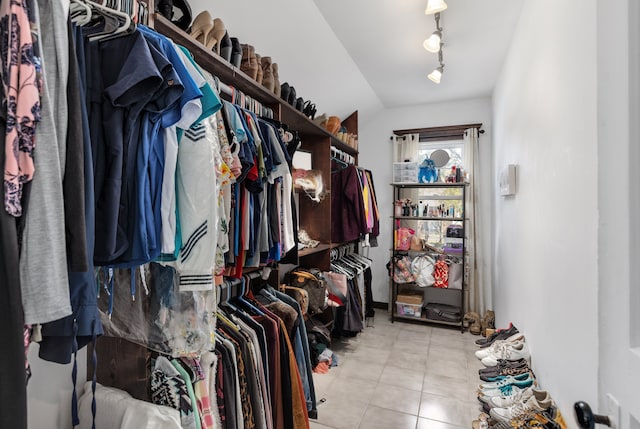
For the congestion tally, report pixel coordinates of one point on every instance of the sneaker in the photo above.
(518, 409)
(521, 396)
(503, 363)
(509, 351)
(487, 351)
(495, 379)
(485, 394)
(502, 334)
(497, 376)
(509, 381)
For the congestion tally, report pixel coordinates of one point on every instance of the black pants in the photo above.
(13, 392)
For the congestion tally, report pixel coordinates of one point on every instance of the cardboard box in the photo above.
(416, 298)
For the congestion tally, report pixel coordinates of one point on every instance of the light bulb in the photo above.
(435, 6)
(432, 44)
(435, 75)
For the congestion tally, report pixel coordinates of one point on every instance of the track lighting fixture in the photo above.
(436, 74)
(435, 6)
(432, 44)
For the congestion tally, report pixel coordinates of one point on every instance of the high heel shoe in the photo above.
(299, 105)
(225, 47)
(309, 109)
(236, 52)
(201, 27)
(216, 35)
(292, 96)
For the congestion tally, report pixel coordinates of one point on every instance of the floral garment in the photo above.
(21, 83)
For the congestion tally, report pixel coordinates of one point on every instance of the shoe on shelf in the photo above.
(521, 381)
(510, 351)
(299, 104)
(267, 73)
(201, 27)
(276, 79)
(482, 353)
(473, 319)
(249, 63)
(292, 96)
(501, 334)
(488, 321)
(236, 52)
(226, 47)
(260, 74)
(285, 90)
(216, 35)
(519, 408)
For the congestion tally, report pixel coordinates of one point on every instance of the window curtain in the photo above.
(405, 147)
(474, 284)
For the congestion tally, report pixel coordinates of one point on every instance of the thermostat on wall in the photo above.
(508, 180)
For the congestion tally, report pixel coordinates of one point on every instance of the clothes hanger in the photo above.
(125, 25)
(80, 12)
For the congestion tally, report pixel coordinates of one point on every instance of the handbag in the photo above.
(310, 280)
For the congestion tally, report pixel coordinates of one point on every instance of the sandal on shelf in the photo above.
(309, 109)
(201, 27)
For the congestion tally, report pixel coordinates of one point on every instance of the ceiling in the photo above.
(384, 38)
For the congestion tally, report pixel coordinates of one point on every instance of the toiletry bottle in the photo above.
(420, 208)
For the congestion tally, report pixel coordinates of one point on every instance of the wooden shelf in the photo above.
(313, 250)
(236, 78)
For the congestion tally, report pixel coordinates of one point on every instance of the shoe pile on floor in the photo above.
(509, 393)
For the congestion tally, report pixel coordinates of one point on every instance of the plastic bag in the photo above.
(162, 319)
(403, 238)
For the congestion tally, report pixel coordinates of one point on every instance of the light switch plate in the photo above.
(508, 180)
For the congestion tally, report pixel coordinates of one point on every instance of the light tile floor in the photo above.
(400, 376)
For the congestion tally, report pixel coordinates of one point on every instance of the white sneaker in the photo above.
(488, 351)
(513, 411)
(521, 396)
(485, 395)
(509, 351)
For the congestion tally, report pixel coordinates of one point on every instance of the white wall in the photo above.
(49, 390)
(546, 235)
(309, 55)
(376, 154)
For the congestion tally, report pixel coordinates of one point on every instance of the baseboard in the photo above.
(381, 305)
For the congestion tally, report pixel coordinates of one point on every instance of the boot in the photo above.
(236, 52)
(249, 64)
(473, 319)
(488, 322)
(276, 80)
(259, 75)
(226, 48)
(267, 73)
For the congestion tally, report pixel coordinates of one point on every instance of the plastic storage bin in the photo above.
(405, 172)
(409, 310)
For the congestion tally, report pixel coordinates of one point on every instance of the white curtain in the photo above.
(405, 147)
(474, 284)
